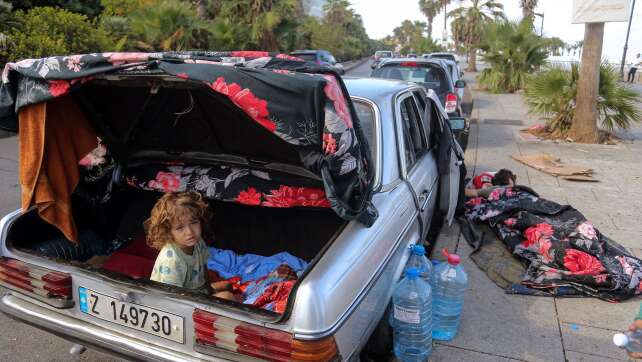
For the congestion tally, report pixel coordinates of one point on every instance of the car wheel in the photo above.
(379, 345)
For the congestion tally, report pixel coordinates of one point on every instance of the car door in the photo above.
(419, 165)
(449, 156)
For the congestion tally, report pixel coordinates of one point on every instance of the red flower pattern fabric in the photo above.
(249, 197)
(334, 93)
(329, 144)
(560, 247)
(581, 263)
(287, 196)
(254, 107)
(166, 182)
(58, 88)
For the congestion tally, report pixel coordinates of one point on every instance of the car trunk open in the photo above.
(287, 181)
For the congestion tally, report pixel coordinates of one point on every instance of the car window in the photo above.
(366, 115)
(413, 138)
(383, 54)
(431, 77)
(331, 59)
(307, 57)
(324, 57)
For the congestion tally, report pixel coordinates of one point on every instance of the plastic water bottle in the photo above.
(412, 318)
(449, 283)
(419, 261)
(631, 341)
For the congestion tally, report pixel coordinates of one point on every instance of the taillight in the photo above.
(451, 103)
(212, 330)
(48, 284)
(408, 64)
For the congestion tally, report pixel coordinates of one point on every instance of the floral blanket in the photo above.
(559, 246)
(270, 292)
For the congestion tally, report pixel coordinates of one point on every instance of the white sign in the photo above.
(600, 11)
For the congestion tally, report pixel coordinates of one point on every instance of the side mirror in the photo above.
(460, 84)
(458, 123)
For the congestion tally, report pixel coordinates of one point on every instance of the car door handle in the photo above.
(423, 200)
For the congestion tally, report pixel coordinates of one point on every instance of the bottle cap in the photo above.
(419, 250)
(620, 340)
(453, 259)
(412, 273)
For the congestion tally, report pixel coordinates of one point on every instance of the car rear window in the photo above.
(307, 57)
(444, 56)
(383, 54)
(427, 75)
(366, 116)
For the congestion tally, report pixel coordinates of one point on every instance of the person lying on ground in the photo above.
(502, 178)
(176, 228)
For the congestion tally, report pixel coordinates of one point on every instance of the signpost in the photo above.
(593, 13)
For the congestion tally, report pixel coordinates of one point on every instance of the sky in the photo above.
(380, 17)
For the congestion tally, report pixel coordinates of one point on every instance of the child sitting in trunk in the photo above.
(176, 227)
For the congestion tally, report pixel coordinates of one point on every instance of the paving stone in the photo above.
(589, 340)
(597, 313)
(572, 356)
(493, 321)
(444, 353)
(627, 238)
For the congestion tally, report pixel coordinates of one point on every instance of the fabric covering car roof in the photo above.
(303, 104)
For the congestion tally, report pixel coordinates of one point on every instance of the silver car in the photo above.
(341, 299)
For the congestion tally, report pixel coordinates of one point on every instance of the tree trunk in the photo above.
(527, 12)
(584, 127)
(429, 29)
(472, 60)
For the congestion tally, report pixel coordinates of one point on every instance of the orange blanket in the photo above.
(53, 137)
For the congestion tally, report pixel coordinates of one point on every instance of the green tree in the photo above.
(258, 24)
(46, 31)
(552, 94)
(472, 19)
(91, 8)
(430, 9)
(512, 51)
(341, 32)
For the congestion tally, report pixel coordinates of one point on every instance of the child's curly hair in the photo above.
(168, 209)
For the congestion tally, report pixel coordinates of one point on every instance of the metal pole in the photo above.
(541, 31)
(626, 42)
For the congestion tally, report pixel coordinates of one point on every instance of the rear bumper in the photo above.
(88, 334)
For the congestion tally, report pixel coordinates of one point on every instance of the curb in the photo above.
(354, 64)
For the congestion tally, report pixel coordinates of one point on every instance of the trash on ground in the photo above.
(553, 166)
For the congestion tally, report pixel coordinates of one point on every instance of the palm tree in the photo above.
(471, 21)
(430, 8)
(528, 8)
(552, 93)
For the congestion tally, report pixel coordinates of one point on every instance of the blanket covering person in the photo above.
(559, 246)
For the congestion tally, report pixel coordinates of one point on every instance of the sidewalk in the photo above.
(500, 327)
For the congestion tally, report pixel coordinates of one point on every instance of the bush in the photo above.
(47, 31)
(513, 51)
(552, 93)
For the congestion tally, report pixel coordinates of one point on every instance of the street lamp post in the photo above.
(626, 42)
(541, 30)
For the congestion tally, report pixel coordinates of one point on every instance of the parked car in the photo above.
(456, 75)
(157, 114)
(411, 55)
(322, 57)
(379, 55)
(430, 73)
(445, 55)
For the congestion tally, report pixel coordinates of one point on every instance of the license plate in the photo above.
(135, 316)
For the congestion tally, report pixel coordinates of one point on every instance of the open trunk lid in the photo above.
(264, 110)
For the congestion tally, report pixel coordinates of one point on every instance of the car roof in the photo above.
(381, 90)
(442, 53)
(376, 89)
(416, 60)
(308, 51)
